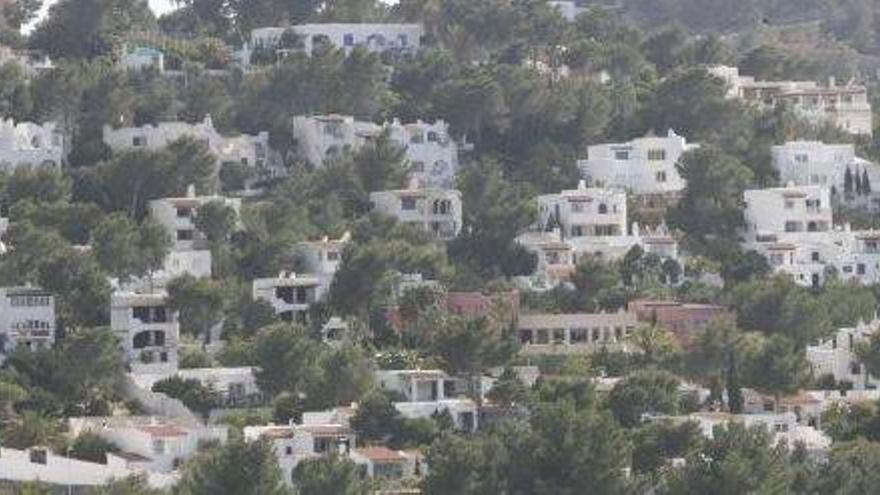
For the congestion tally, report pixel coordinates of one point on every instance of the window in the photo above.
(332, 255)
(558, 336)
(860, 269)
(815, 256)
(543, 337)
(288, 450)
(183, 212)
(621, 155)
(661, 177)
(525, 336)
(185, 235)
(38, 456)
(348, 39)
(657, 155)
(577, 231)
(603, 209)
(417, 167)
(577, 206)
(578, 335)
(407, 203)
(801, 158)
(159, 447)
(789, 204)
(139, 141)
(792, 226)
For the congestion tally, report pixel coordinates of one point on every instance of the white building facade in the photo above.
(851, 179)
(837, 356)
(27, 319)
(644, 166)
(375, 38)
(562, 334)
(291, 295)
(148, 331)
(178, 215)
(438, 211)
(427, 393)
(30, 144)
(846, 107)
(429, 150)
(247, 150)
(793, 228)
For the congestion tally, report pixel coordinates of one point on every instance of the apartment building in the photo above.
(30, 144)
(290, 294)
(148, 331)
(322, 258)
(644, 166)
(178, 215)
(793, 228)
(846, 106)
(586, 222)
(248, 150)
(429, 392)
(27, 319)
(305, 38)
(318, 434)
(584, 212)
(438, 211)
(836, 356)
(149, 443)
(429, 150)
(787, 209)
(851, 179)
(581, 333)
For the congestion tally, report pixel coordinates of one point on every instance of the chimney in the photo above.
(582, 184)
(832, 82)
(191, 191)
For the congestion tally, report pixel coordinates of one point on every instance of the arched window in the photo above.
(603, 209)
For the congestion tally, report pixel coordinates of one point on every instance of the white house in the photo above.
(793, 228)
(32, 62)
(643, 166)
(30, 144)
(233, 386)
(290, 294)
(319, 434)
(430, 151)
(248, 150)
(850, 178)
(139, 58)
(177, 215)
(561, 334)
(584, 212)
(568, 9)
(150, 443)
(375, 38)
(427, 393)
(438, 211)
(586, 222)
(40, 465)
(387, 464)
(846, 107)
(787, 209)
(322, 258)
(836, 356)
(27, 319)
(148, 331)
(784, 427)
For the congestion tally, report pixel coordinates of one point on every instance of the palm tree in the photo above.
(653, 342)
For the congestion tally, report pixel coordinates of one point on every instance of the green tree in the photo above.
(779, 368)
(644, 392)
(329, 476)
(236, 468)
(736, 460)
(709, 212)
(91, 447)
(200, 303)
(376, 418)
(216, 221)
(851, 468)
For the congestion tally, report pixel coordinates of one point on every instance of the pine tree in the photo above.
(866, 183)
(858, 184)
